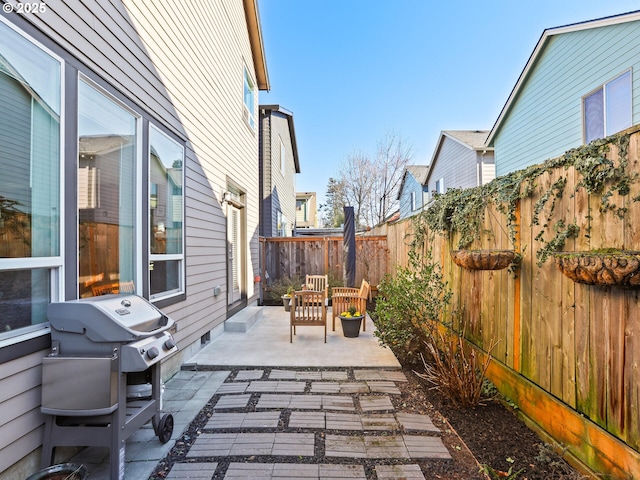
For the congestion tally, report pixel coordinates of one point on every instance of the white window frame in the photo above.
(605, 118)
(413, 201)
(440, 186)
(248, 87)
(54, 264)
(165, 256)
(283, 157)
(137, 255)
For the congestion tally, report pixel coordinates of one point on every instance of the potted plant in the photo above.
(351, 321)
(609, 267)
(483, 259)
(286, 298)
(63, 471)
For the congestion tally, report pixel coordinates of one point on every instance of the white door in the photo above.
(234, 238)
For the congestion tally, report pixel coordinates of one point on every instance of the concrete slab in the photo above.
(267, 344)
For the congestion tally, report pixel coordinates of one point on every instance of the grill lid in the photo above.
(109, 318)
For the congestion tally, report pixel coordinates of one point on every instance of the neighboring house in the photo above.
(129, 156)
(279, 164)
(460, 160)
(306, 210)
(413, 193)
(577, 86)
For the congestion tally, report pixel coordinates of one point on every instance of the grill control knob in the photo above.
(169, 344)
(152, 353)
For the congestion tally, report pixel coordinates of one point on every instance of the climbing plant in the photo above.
(462, 211)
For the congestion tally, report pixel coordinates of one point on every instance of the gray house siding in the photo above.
(181, 68)
(544, 118)
(456, 164)
(411, 187)
(277, 181)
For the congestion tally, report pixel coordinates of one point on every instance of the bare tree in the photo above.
(392, 156)
(371, 185)
(357, 179)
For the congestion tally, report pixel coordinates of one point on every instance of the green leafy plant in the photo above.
(281, 287)
(462, 211)
(409, 306)
(499, 474)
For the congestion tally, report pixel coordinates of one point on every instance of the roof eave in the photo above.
(546, 34)
(257, 46)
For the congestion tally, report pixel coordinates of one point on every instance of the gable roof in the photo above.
(292, 130)
(471, 139)
(540, 47)
(419, 172)
(257, 46)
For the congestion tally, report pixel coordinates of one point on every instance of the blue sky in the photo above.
(352, 71)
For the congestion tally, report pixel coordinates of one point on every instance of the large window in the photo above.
(166, 200)
(607, 110)
(107, 149)
(30, 185)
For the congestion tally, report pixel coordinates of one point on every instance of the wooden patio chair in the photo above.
(344, 297)
(308, 308)
(318, 283)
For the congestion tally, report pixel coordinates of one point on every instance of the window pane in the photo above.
(618, 103)
(594, 116)
(24, 296)
(30, 85)
(165, 276)
(166, 194)
(249, 98)
(106, 193)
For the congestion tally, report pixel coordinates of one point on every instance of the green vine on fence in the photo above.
(462, 211)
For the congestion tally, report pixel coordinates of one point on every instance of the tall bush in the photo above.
(409, 306)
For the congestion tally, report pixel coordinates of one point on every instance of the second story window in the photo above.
(283, 158)
(607, 110)
(249, 100)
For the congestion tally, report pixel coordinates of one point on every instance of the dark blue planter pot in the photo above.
(351, 326)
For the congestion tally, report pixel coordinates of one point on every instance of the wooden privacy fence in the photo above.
(289, 257)
(568, 353)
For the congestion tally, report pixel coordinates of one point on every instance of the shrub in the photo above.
(274, 292)
(455, 370)
(409, 306)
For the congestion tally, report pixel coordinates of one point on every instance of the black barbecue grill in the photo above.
(97, 344)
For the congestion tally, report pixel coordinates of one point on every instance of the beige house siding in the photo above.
(181, 64)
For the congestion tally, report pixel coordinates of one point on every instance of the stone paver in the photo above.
(414, 421)
(315, 403)
(391, 375)
(391, 446)
(372, 403)
(277, 386)
(232, 401)
(197, 471)
(232, 387)
(249, 375)
(305, 375)
(243, 420)
(397, 472)
(289, 471)
(234, 444)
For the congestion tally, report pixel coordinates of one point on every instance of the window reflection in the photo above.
(166, 159)
(30, 92)
(106, 193)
